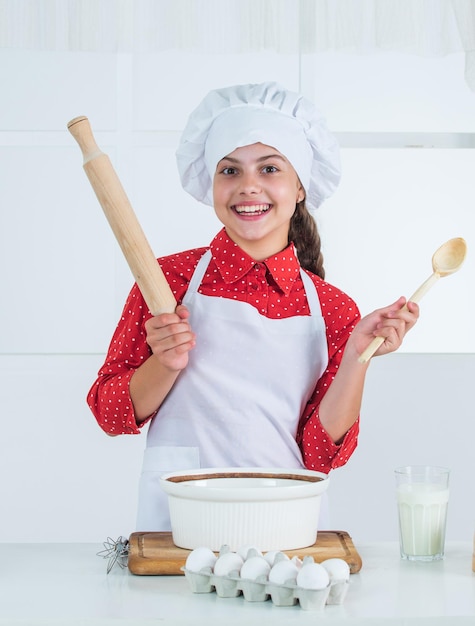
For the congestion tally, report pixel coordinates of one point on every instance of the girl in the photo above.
(258, 366)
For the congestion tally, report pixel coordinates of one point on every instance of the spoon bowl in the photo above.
(449, 257)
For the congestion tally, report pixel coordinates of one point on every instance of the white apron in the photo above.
(239, 400)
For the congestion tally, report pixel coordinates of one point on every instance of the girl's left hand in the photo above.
(391, 322)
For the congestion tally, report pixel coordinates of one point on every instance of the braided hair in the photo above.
(304, 233)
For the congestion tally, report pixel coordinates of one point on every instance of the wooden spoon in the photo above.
(446, 260)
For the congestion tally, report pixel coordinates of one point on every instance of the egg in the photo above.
(337, 569)
(254, 567)
(199, 558)
(246, 551)
(283, 572)
(227, 563)
(313, 576)
(272, 554)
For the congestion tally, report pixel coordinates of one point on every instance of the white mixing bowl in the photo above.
(270, 509)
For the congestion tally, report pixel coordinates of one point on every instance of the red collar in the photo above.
(233, 263)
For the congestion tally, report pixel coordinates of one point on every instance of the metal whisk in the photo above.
(116, 551)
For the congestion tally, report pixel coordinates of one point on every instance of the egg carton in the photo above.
(260, 590)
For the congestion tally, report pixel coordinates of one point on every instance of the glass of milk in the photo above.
(422, 499)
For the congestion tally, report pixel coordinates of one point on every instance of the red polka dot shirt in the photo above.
(275, 288)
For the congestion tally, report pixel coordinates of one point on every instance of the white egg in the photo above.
(227, 563)
(271, 556)
(200, 558)
(313, 576)
(283, 572)
(254, 567)
(337, 569)
(244, 551)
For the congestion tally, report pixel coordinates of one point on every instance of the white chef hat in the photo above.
(268, 113)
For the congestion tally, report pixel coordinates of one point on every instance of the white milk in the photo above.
(422, 517)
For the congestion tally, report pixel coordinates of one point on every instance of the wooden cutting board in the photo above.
(154, 553)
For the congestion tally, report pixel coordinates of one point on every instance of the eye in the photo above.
(229, 171)
(270, 169)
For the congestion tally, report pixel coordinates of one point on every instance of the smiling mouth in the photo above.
(254, 209)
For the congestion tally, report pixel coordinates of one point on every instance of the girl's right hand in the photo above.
(170, 338)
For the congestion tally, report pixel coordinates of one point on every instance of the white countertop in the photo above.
(67, 584)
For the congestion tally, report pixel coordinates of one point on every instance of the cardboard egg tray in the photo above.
(261, 589)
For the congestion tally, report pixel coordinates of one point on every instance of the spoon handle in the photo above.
(416, 296)
(424, 288)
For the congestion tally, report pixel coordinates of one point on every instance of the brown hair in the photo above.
(303, 232)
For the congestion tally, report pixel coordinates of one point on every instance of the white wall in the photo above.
(64, 280)
(417, 409)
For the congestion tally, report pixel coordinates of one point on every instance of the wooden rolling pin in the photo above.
(123, 221)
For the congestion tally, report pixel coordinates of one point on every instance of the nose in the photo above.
(249, 183)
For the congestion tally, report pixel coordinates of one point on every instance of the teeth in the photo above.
(255, 208)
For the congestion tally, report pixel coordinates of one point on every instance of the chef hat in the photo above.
(241, 115)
